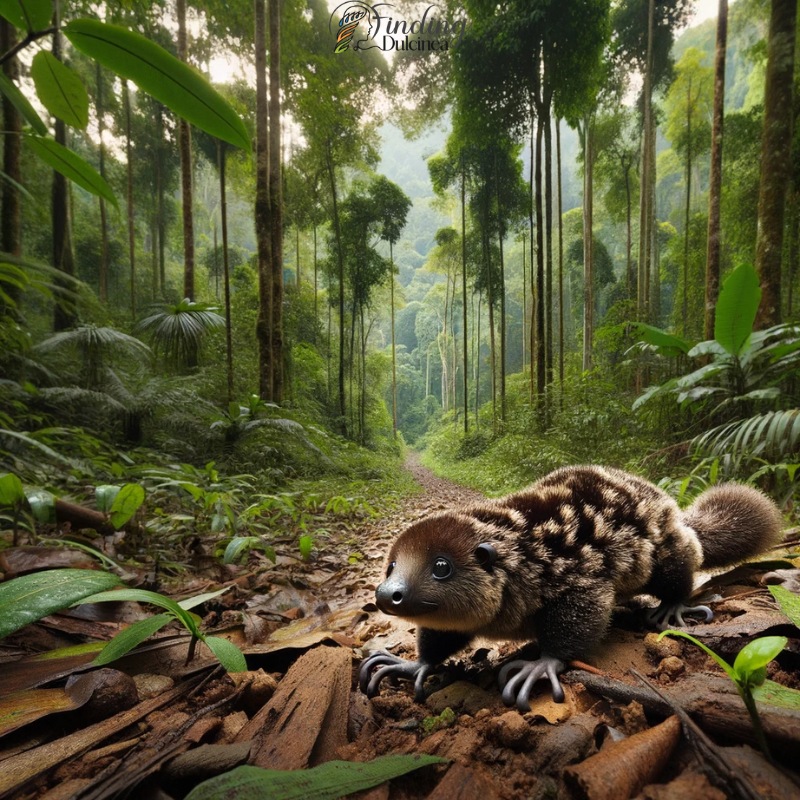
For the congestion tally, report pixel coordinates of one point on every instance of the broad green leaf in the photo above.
(20, 102)
(60, 89)
(198, 599)
(229, 655)
(755, 655)
(661, 339)
(788, 601)
(104, 496)
(133, 635)
(325, 782)
(126, 504)
(161, 75)
(43, 505)
(72, 166)
(736, 309)
(11, 491)
(729, 671)
(30, 597)
(237, 546)
(777, 695)
(28, 15)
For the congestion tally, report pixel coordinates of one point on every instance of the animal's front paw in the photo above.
(670, 615)
(391, 666)
(517, 689)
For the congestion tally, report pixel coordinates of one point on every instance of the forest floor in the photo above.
(647, 719)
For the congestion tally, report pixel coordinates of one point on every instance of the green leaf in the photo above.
(199, 599)
(736, 309)
(61, 91)
(327, 781)
(30, 597)
(661, 339)
(161, 75)
(43, 505)
(72, 166)
(777, 695)
(126, 504)
(27, 15)
(305, 544)
(237, 546)
(20, 102)
(788, 601)
(729, 671)
(104, 496)
(229, 655)
(755, 655)
(133, 635)
(11, 491)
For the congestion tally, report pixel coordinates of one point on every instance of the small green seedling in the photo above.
(226, 652)
(749, 671)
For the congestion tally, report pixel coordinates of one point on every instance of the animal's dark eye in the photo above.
(442, 569)
(390, 568)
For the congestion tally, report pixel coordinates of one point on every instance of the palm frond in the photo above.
(773, 435)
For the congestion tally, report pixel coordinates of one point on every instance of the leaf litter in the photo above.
(304, 627)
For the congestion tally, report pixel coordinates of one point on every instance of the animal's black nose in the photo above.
(389, 596)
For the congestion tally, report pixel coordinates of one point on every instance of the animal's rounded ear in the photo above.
(486, 555)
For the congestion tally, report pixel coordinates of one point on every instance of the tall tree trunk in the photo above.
(126, 98)
(492, 350)
(394, 354)
(541, 360)
(560, 266)
(337, 233)
(316, 291)
(687, 211)
(262, 209)
(64, 313)
(101, 126)
(464, 290)
(500, 233)
(524, 301)
(223, 212)
(185, 145)
(275, 196)
(629, 276)
(10, 220)
(548, 224)
(715, 176)
(776, 144)
(161, 210)
(532, 228)
(588, 243)
(644, 197)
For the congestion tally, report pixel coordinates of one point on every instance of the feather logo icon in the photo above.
(353, 15)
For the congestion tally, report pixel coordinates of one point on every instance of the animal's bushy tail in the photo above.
(733, 523)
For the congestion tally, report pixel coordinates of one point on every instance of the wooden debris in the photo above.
(305, 722)
(463, 783)
(622, 769)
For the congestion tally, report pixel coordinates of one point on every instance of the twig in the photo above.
(21, 45)
(732, 781)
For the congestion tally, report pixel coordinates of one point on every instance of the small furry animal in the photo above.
(550, 562)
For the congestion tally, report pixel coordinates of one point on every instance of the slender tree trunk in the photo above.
(532, 227)
(10, 220)
(644, 199)
(560, 266)
(394, 354)
(464, 290)
(101, 125)
(541, 358)
(126, 98)
(316, 290)
(548, 212)
(275, 197)
(337, 231)
(185, 145)
(776, 148)
(500, 233)
(477, 362)
(64, 313)
(524, 302)
(687, 210)
(162, 222)
(492, 350)
(262, 209)
(629, 276)
(154, 246)
(223, 213)
(588, 243)
(715, 176)
(297, 256)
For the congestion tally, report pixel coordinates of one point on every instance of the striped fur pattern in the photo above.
(567, 549)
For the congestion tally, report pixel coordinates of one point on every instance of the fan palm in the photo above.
(177, 331)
